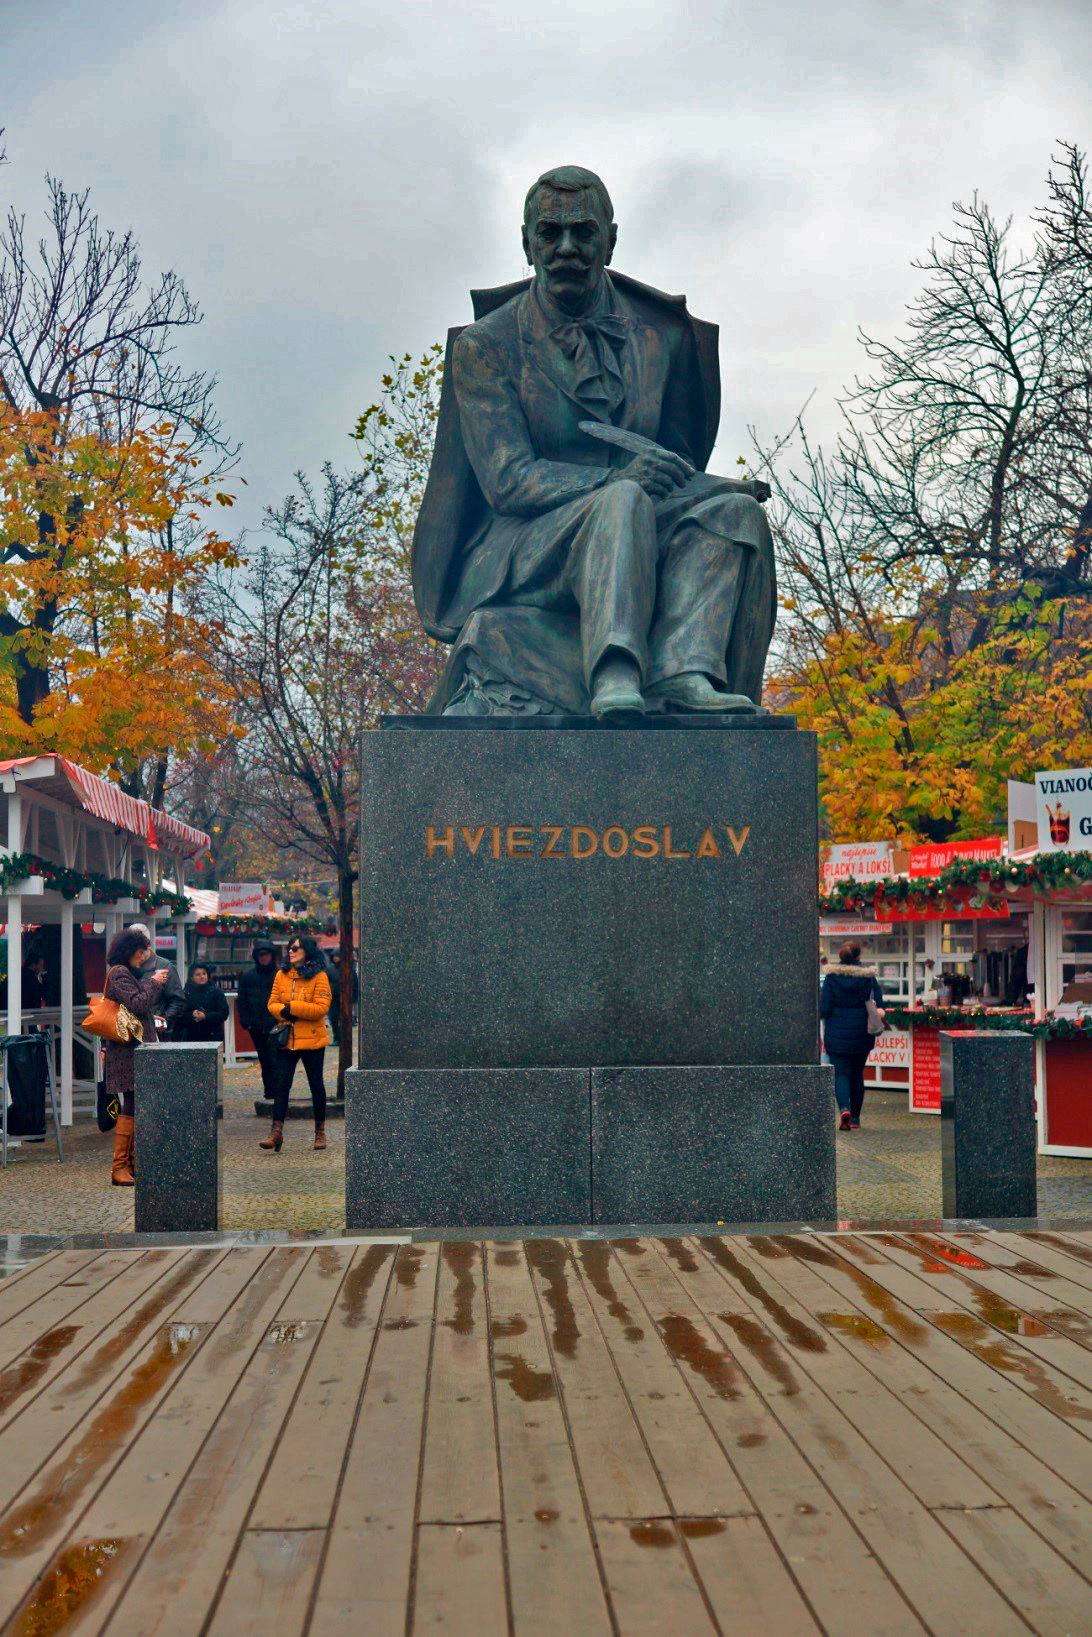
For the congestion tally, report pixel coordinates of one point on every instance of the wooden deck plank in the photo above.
(653, 1587)
(932, 1573)
(823, 1548)
(55, 1506)
(45, 1354)
(269, 1588)
(39, 1431)
(365, 1578)
(55, 1305)
(748, 1586)
(552, 1569)
(618, 1476)
(131, 1504)
(1053, 1600)
(22, 1290)
(1006, 1294)
(459, 1480)
(300, 1487)
(460, 1580)
(184, 1566)
(960, 1309)
(1044, 1252)
(1006, 1466)
(852, 1268)
(309, 1297)
(1075, 1246)
(694, 1470)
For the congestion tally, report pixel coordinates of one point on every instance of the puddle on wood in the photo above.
(595, 1259)
(27, 1371)
(359, 1282)
(751, 1440)
(506, 1258)
(632, 1247)
(793, 1329)
(286, 1331)
(681, 1254)
(652, 1533)
(1082, 1253)
(857, 1326)
(688, 1346)
(928, 1249)
(407, 1265)
(762, 1346)
(862, 1250)
(503, 1328)
(529, 1385)
(152, 1309)
(329, 1261)
(28, 1526)
(549, 1259)
(702, 1528)
(1001, 1355)
(461, 1257)
(803, 1509)
(767, 1247)
(1003, 1317)
(1076, 1325)
(68, 1587)
(546, 1514)
(400, 1324)
(880, 1300)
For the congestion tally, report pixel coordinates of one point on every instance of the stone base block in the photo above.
(436, 1148)
(987, 1132)
(178, 1172)
(753, 1143)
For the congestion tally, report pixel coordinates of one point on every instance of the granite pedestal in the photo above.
(178, 1171)
(987, 1108)
(609, 904)
(435, 1148)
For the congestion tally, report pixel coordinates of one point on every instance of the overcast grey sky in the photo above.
(331, 177)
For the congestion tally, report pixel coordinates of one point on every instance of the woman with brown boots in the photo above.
(130, 951)
(298, 1003)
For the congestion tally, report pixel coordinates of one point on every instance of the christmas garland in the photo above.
(243, 925)
(952, 1017)
(965, 882)
(105, 889)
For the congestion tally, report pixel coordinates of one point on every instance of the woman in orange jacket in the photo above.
(300, 998)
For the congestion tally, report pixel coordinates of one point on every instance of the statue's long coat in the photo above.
(455, 514)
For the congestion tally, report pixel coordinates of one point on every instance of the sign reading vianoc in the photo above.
(1063, 802)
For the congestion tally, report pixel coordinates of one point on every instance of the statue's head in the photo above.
(569, 234)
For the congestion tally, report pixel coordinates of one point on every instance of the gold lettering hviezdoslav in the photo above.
(524, 841)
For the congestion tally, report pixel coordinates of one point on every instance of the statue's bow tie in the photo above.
(591, 345)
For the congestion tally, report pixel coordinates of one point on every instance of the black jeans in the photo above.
(849, 1081)
(312, 1063)
(267, 1059)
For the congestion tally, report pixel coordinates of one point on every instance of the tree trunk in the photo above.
(346, 877)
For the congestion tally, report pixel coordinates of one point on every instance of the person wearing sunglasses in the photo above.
(299, 1002)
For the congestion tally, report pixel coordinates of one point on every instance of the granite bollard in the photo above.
(178, 1169)
(987, 1107)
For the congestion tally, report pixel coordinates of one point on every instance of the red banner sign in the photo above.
(931, 860)
(958, 907)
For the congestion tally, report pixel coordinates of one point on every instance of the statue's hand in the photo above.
(761, 490)
(657, 471)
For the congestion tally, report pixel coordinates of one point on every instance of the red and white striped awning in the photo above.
(62, 779)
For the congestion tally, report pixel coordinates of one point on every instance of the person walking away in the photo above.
(255, 987)
(205, 1010)
(132, 983)
(843, 1008)
(34, 983)
(172, 1004)
(301, 998)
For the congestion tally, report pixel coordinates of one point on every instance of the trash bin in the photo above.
(27, 1076)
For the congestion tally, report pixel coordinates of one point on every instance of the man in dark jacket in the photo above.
(847, 989)
(255, 987)
(173, 1001)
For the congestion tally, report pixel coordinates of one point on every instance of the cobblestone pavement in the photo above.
(890, 1168)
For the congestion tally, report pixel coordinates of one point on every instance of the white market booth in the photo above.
(81, 853)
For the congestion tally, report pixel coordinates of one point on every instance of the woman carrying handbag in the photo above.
(298, 1003)
(136, 999)
(851, 1008)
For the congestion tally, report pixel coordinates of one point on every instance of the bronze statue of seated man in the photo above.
(570, 573)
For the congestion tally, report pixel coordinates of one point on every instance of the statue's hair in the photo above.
(570, 179)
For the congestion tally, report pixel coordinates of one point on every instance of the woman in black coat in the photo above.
(843, 1008)
(205, 1010)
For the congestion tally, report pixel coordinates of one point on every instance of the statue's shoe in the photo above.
(693, 691)
(617, 698)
